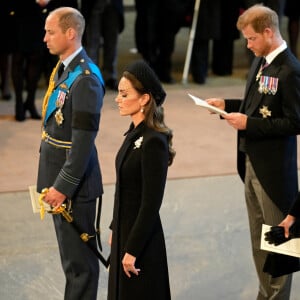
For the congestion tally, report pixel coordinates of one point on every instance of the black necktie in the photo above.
(61, 69)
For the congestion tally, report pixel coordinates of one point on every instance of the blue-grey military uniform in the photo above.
(69, 162)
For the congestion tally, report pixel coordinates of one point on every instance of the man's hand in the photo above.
(54, 198)
(236, 120)
(216, 102)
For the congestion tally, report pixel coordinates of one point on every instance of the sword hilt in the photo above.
(62, 210)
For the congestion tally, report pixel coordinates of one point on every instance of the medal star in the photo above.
(265, 112)
(59, 117)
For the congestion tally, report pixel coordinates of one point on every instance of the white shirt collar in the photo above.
(271, 56)
(67, 61)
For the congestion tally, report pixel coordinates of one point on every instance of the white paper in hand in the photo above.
(204, 104)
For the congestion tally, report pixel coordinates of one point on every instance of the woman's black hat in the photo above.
(147, 77)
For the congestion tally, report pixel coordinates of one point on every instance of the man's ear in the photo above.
(71, 33)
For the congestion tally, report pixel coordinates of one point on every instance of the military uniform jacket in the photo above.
(74, 172)
(141, 168)
(272, 125)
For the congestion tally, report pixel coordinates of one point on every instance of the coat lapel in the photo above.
(131, 135)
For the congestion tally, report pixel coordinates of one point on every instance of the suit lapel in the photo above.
(252, 96)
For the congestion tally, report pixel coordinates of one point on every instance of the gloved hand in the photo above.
(276, 235)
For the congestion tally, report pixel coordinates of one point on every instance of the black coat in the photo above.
(136, 226)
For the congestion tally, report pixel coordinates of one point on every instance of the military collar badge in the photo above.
(265, 112)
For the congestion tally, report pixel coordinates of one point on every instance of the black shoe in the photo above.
(111, 84)
(20, 117)
(35, 116)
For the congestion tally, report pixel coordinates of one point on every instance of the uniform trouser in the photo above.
(261, 210)
(80, 264)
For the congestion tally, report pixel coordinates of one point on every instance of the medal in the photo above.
(59, 117)
(268, 85)
(60, 101)
(265, 112)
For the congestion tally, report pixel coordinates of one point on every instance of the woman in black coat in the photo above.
(138, 266)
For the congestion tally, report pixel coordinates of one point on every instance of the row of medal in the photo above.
(268, 85)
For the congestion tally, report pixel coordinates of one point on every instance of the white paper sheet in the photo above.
(34, 197)
(204, 104)
(291, 247)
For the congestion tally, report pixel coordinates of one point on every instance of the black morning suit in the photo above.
(270, 143)
(76, 173)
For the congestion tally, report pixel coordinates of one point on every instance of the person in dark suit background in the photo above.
(216, 25)
(223, 46)
(156, 26)
(7, 20)
(27, 56)
(292, 11)
(104, 23)
(68, 166)
(267, 122)
(138, 260)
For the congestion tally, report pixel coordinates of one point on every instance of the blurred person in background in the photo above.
(104, 23)
(292, 11)
(156, 26)
(7, 15)
(27, 56)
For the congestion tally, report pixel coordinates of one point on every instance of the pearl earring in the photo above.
(142, 110)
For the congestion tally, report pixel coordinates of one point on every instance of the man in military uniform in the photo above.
(69, 169)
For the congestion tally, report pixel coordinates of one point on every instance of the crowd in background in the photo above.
(24, 58)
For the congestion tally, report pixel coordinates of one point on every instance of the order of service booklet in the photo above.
(204, 104)
(291, 247)
(34, 197)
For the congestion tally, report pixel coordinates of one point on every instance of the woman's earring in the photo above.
(142, 110)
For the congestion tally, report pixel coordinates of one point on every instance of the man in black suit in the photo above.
(68, 165)
(267, 122)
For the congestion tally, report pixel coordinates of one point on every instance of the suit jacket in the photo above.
(271, 142)
(141, 168)
(74, 172)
